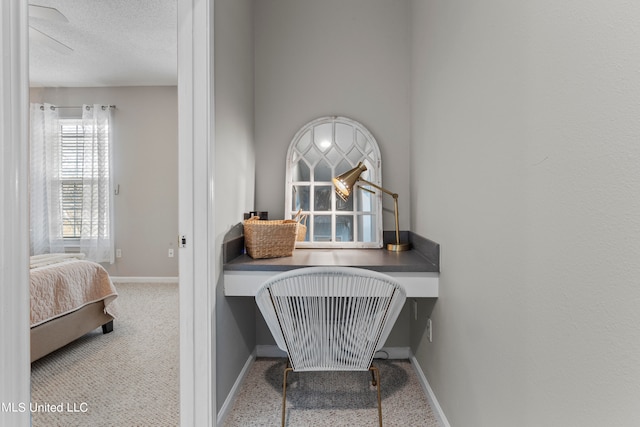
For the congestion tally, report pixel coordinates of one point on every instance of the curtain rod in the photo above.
(53, 107)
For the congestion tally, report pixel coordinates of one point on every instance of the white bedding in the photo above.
(67, 285)
(36, 261)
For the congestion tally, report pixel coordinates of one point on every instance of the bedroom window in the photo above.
(71, 204)
(321, 150)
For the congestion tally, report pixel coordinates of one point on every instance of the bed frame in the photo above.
(58, 332)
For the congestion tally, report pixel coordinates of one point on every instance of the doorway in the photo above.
(92, 53)
(197, 346)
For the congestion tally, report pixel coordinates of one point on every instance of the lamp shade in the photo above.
(344, 183)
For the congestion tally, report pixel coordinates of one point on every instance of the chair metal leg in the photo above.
(375, 380)
(287, 369)
(375, 375)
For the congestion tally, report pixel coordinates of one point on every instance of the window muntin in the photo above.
(321, 150)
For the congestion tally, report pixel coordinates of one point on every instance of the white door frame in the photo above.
(197, 266)
(15, 370)
(196, 222)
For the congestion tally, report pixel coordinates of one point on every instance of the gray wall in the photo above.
(332, 57)
(525, 169)
(146, 168)
(234, 178)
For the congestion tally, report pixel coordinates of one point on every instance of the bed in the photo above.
(70, 296)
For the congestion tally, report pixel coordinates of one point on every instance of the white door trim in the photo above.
(196, 222)
(15, 369)
(195, 88)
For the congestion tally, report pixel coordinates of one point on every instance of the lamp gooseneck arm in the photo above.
(392, 194)
(395, 205)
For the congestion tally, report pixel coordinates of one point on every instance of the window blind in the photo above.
(72, 136)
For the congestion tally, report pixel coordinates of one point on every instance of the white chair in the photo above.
(330, 319)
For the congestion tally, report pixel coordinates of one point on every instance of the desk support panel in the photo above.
(246, 283)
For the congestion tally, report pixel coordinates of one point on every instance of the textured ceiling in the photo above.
(114, 42)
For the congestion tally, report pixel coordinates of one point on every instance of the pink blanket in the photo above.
(61, 288)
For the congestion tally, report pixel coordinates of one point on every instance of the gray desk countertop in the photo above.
(424, 257)
(373, 259)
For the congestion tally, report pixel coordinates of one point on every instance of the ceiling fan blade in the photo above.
(44, 12)
(49, 41)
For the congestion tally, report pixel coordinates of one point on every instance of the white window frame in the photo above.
(364, 148)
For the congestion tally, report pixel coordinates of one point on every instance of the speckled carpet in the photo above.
(128, 377)
(331, 398)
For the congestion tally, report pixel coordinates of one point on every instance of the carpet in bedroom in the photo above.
(126, 378)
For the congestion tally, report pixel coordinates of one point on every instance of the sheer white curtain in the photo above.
(96, 239)
(45, 206)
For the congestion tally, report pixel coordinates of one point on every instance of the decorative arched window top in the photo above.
(320, 150)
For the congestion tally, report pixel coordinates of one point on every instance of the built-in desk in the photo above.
(417, 269)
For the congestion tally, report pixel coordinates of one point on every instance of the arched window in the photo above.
(321, 150)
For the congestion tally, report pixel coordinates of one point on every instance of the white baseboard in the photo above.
(437, 410)
(121, 279)
(231, 397)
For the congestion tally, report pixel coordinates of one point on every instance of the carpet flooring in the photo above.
(128, 377)
(331, 398)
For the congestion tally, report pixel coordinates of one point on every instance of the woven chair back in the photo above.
(330, 318)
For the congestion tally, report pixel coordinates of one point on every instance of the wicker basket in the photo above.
(270, 239)
(302, 229)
